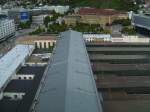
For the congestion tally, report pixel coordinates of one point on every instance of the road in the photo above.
(116, 29)
(22, 32)
(9, 43)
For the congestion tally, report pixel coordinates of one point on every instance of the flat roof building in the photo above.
(11, 61)
(23, 77)
(121, 71)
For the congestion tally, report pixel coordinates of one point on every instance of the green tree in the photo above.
(37, 31)
(47, 19)
(128, 30)
(24, 25)
(123, 22)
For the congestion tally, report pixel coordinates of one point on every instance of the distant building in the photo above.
(7, 28)
(72, 19)
(97, 37)
(38, 41)
(18, 14)
(59, 9)
(24, 15)
(39, 19)
(97, 16)
(130, 39)
(59, 20)
(100, 38)
(39, 11)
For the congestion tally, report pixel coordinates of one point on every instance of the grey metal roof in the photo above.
(105, 57)
(69, 85)
(141, 21)
(11, 61)
(118, 49)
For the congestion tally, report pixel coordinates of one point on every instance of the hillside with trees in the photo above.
(126, 5)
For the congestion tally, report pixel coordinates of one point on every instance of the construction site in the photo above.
(121, 71)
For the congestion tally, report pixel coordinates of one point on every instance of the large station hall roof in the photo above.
(69, 85)
(141, 21)
(11, 61)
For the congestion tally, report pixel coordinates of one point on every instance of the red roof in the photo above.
(87, 11)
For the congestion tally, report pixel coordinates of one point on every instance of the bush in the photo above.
(37, 31)
(24, 25)
(129, 31)
(123, 22)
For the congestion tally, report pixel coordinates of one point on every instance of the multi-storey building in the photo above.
(7, 28)
(95, 16)
(39, 19)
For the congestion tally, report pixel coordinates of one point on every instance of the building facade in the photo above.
(72, 19)
(130, 39)
(39, 19)
(95, 16)
(97, 37)
(38, 41)
(59, 9)
(7, 28)
(18, 14)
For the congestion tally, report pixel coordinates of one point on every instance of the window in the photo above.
(36, 45)
(40, 44)
(15, 96)
(44, 44)
(25, 78)
(49, 44)
(53, 44)
(30, 78)
(20, 78)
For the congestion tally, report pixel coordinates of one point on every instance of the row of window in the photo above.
(18, 97)
(25, 78)
(45, 44)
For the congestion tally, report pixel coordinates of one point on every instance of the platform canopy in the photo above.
(69, 85)
(141, 21)
(11, 61)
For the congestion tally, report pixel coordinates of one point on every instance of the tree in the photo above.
(123, 22)
(129, 31)
(55, 16)
(47, 19)
(37, 31)
(24, 25)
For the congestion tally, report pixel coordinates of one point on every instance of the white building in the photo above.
(115, 38)
(7, 28)
(97, 37)
(59, 9)
(130, 39)
(4, 11)
(38, 20)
